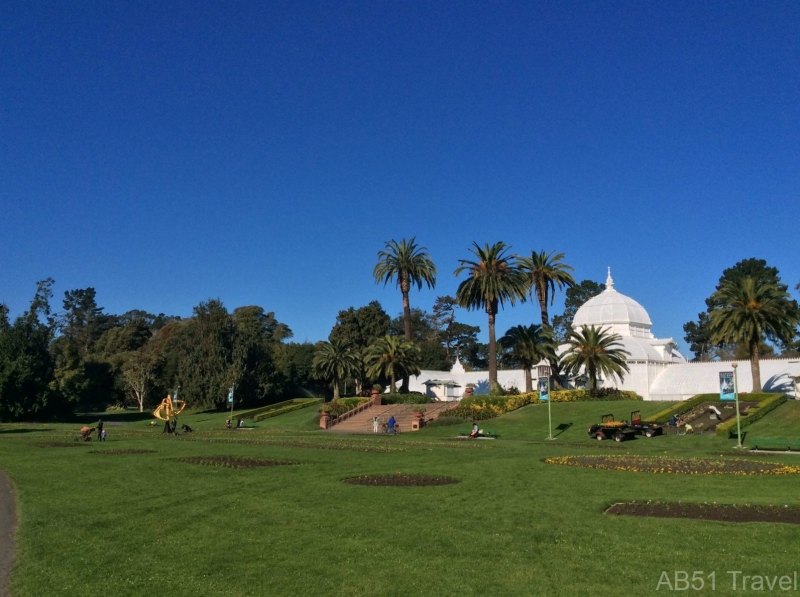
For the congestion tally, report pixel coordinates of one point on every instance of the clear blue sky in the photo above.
(263, 152)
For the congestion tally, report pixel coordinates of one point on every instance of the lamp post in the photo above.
(543, 383)
(736, 394)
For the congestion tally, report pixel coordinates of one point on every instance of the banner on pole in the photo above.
(544, 389)
(230, 395)
(726, 389)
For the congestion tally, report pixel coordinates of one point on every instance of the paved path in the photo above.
(8, 522)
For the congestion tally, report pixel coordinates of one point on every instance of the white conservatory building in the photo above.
(657, 370)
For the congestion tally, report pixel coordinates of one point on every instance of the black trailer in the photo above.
(644, 428)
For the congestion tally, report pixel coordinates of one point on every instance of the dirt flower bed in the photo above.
(61, 444)
(674, 465)
(720, 512)
(318, 445)
(233, 461)
(401, 480)
(123, 451)
(604, 446)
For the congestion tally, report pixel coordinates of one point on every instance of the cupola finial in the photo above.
(609, 281)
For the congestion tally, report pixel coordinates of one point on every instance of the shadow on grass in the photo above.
(120, 417)
(26, 430)
(562, 428)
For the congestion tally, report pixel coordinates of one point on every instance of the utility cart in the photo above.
(608, 428)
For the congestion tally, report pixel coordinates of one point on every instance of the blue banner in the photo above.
(726, 387)
(230, 395)
(544, 389)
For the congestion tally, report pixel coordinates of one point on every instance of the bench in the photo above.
(794, 444)
(131, 408)
(771, 444)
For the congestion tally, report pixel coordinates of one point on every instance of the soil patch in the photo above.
(605, 446)
(401, 480)
(674, 465)
(234, 461)
(720, 512)
(60, 444)
(123, 451)
(8, 522)
(317, 445)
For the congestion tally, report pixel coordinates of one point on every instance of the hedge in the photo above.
(279, 408)
(405, 399)
(728, 428)
(484, 407)
(687, 405)
(341, 406)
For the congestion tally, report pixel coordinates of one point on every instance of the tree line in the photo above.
(82, 358)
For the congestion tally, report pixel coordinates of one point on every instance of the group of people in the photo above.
(101, 433)
(391, 427)
(239, 424)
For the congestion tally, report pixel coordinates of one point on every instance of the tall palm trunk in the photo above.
(541, 294)
(528, 381)
(336, 389)
(404, 288)
(492, 351)
(755, 366)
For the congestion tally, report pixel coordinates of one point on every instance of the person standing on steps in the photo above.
(391, 425)
(375, 424)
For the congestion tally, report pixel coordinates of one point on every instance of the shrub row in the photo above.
(728, 428)
(687, 405)
(405, 399)
(483, 407)
(341, 406)
(286, 409)
(294, 402)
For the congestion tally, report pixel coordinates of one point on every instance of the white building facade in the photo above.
(657, 370)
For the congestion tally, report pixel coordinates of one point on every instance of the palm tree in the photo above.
(392, 357)
(545, 271)
(526, 347)
(335, 361)
(492, 280)
(595, 350)
(748, 311)
(408, 265)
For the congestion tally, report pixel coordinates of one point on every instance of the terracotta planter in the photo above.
(376, 397)
(324, 420)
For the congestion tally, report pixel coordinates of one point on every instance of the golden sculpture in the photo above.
(169, 408)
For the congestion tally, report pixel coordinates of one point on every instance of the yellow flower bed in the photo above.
(675, 465)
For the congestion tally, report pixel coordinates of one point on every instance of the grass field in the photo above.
(146, 524)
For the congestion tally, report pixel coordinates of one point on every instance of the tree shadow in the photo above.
(26, 430)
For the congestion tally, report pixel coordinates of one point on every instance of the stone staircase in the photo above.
(403, 415)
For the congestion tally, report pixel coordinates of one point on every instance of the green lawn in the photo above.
(782, 423)
(144, 524)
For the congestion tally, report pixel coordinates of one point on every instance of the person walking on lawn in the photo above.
(99, 429)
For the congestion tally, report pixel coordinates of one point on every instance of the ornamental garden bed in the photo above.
(402, 480)
(60, 444)
(123, 451)
(719, 512)
(673, 465)
(318, 445)
(234, 461)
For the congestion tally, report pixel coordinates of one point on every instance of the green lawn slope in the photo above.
(147, 524)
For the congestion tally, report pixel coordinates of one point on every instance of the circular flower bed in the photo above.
(673, 465)
(721, 512)
(123, 451)
(401, 480)
(233, 461)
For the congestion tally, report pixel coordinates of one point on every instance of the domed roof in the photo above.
(610, 307)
